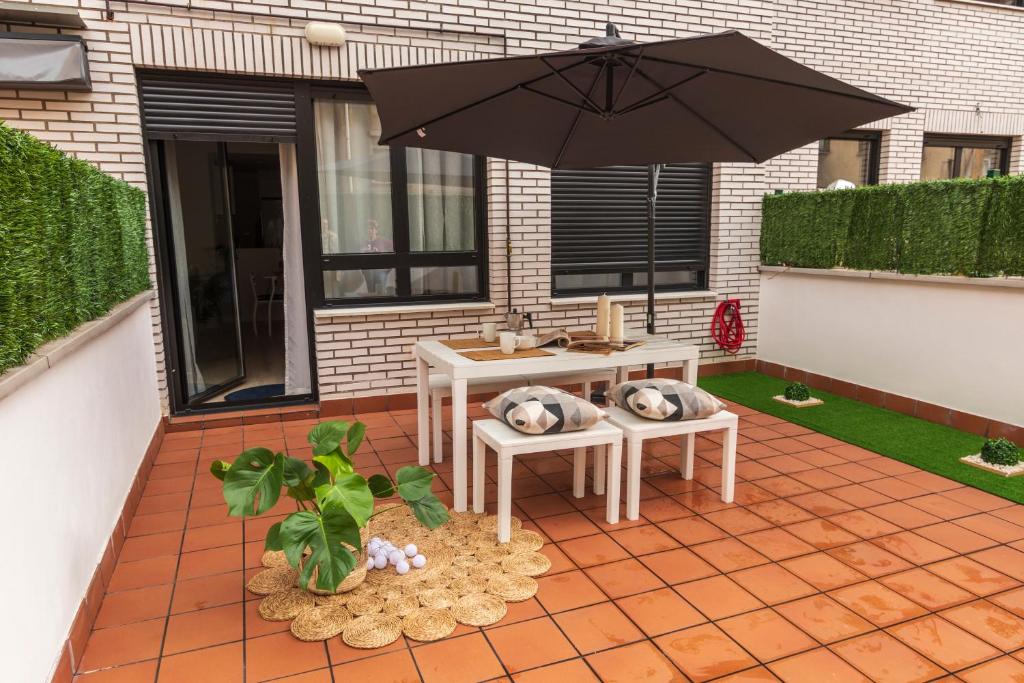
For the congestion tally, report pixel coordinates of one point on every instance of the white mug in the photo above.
(527, 341)
(490, 331)
(509, 342)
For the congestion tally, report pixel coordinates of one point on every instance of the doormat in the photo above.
(468, 579)
(256, 393)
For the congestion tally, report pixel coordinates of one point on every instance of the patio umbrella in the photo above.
(713, 98)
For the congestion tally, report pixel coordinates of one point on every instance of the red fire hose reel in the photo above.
(727, 326)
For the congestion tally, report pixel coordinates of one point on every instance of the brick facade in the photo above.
(957, 61)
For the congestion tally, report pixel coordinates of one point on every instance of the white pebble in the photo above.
(376, 539)
(419, 561)
(396, 556)
(373, 547)
(402, 567)
(380, 562)
(410, 550)
(369, 564)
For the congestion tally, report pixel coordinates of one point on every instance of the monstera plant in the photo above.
(333, 502)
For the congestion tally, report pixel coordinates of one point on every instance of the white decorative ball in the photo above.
(369, 564)
(376, 539)
(410, 550)
(396, 556)
(379, 562)
(372, 547)
(402, 567)
(419, 561)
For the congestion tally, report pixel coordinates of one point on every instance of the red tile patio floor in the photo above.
(834, 564)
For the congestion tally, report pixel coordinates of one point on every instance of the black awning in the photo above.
(43, 62)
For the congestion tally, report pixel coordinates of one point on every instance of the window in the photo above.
(852, 157)
(946, 157)
(1011, 3)
(599, 229)
(396, 224)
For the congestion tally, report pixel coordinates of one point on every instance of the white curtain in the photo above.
(296, 338)
(193, 376)
(440, 200)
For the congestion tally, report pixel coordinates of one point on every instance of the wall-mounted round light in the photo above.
(325, 34)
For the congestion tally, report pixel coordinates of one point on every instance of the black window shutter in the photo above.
(198, 107)
(599, 219)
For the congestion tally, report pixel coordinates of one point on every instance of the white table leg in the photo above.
(579, 472)
(690, 440)
(729, 464)
(614, 470)
(436, 403)
(479, 478)
(459, 390)
(634, 448)
(504, 497)
(621, 374)
(600, 468)
(422, 408)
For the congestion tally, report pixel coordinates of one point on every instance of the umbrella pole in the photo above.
(653, 172)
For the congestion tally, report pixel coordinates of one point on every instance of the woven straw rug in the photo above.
(468, 579)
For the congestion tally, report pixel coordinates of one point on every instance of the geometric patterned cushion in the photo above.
(664, 399)
(543, 410)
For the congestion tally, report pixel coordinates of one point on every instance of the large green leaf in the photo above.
(323, 535)
(219, 468)
(380, 486)
(354, 437)
(337, 463)
(429, 510)
(295, 471)
(413, 482)
(349, 492)
(252, 484)
(273, 539)
(327, 436)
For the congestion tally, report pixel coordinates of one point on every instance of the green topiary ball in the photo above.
(1000, 452)
(797, 392)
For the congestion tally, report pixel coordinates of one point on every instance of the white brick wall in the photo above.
(958, 63)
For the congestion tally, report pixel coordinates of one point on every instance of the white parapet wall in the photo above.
(73, 431)
(955, 342)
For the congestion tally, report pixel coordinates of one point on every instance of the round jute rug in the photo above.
(468, 579)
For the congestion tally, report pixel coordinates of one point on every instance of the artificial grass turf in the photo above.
(929, 446)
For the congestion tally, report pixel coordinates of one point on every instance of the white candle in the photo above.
(618, 322)
(603, 315)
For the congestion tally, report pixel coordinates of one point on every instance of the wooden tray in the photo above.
(468, 343)
(498, 355)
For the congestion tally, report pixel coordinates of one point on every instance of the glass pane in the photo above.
(441, 201)
(848, 160)
(354, 176)
(667, 278)
(608, 281)
(937, 163)
(443, 280)
(976, 163)
(358, 284)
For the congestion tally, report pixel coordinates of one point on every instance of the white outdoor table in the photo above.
(459, 369)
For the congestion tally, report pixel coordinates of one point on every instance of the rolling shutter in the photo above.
(599, 219)
(194, 107)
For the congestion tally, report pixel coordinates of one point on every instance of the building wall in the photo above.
(957, 62)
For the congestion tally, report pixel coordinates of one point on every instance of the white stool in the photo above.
(635, 429)
(507, 442)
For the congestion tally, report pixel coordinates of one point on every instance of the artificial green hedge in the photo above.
(958, 227)
(72, 244)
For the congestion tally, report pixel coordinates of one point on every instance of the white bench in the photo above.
(507, 442)
(636, 429)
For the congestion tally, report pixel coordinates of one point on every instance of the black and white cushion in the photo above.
(664, 399)
(543, 410)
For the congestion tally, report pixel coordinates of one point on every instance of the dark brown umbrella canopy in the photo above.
(719, 97)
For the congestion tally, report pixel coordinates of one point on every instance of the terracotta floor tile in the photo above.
(780, 512)
(147, 547)
(635, 663)
(913, 548)
(568, 590)
(941, 507)
(942, 642)
(777, 544)
(729, 554)
(810, 667)
(546, 644)
(992, 624)
(208, 591)
(859, 496)
(194, 630)
(643, 540)
(823, 571)
(821, 503)
(143, 672)
(886, 660)
(737, 521)
(824, 619)
(211, 561)
(256, 626)
(128, 607)
(1011, 513)
(664, 508)
(677, 566)
(520, 611)
(122, 645)
(991, 526)
(221, 664)
(626, 577)
(878, 604)
(895, 488)
(903, 515)
(1002, 559)
(1011, 600)
(955, 537)
(926, 589)
(869, 559)
(692, 530)
(660, 611)
(821, 533)
(152, 572)
(757, 674)
(1003, 669)
(863, 524)
(704, 652)
(573, 670)
(560, 562)
(766, 635)
(854, 472)
(598, 627)
(973, 576)
(158, 522)
(281, 654)
(772, 584)
(563, 527)
(212, 537)
(392, 667)
(318, 676)
(718, 597)
(544, 505)
(588, 551)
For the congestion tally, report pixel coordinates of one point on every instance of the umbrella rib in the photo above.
(585, 96)
(658, 96)
(575, 106)
(576, 119)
